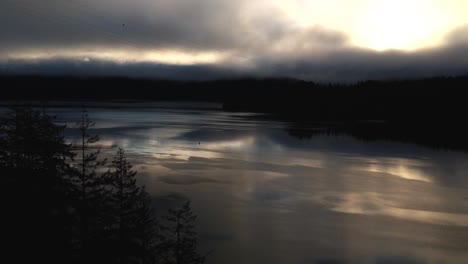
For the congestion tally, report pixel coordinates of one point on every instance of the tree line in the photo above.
(440, 98)
(64, 203)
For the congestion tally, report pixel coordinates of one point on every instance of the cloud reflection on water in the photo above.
(266, 197)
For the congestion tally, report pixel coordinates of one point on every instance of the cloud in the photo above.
(191, 26)
(352, 64)
(187, 25)
(205, 39)
(109, 68)
(458, 36)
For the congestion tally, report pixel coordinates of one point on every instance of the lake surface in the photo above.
(265, 196)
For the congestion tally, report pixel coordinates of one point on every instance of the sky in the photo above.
(333, 40)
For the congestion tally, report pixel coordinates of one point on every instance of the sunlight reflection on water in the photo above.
(264, 196)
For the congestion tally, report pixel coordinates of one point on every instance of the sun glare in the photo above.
(398, 24)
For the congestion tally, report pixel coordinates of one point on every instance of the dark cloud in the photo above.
(109, 68)
(357, 64)
(201, 24)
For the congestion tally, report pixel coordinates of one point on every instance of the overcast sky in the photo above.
(333, 40)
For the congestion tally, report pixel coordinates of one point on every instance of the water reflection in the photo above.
(265, 197)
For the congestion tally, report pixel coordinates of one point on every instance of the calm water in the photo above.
(263, 196)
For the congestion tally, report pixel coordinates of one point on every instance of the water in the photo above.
(264, 196)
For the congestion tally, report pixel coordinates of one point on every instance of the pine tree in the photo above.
(30, 140)
(90, 195)
(148, 230)
(35, 157)
(179, 244)
(88, 180)
(124, 197)
(75, 214)
(135, 224)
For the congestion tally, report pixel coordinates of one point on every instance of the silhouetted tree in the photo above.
(89, 181)
(179, 241)
(148, 230)
(62, 211)
(135, 224)
(34, 161)
(91, 195)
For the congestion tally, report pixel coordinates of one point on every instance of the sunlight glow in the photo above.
(381, 24)
(399, 24)
(85, 55)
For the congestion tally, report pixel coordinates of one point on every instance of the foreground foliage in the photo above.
(62, 206)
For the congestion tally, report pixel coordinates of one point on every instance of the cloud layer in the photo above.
(202, 39)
